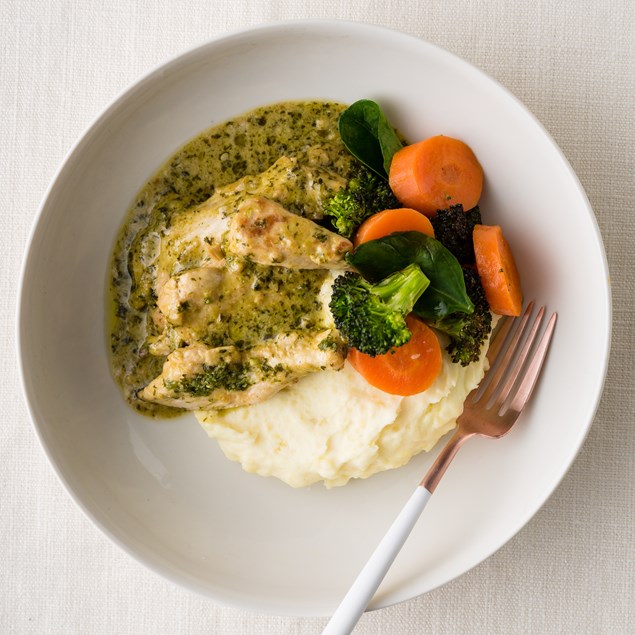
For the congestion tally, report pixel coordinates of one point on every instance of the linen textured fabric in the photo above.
(572, 568)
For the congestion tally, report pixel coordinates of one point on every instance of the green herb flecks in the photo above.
(233, 377)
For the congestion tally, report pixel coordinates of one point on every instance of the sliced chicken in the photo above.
(194, 238)
(244, 305)
(264, 232)
(194, 288)
(192, 241)
(199, 377)
(234, 328)
(298, 186)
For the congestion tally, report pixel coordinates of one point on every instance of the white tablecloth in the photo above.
(572, 569)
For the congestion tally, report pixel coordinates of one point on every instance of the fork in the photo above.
(490, 410)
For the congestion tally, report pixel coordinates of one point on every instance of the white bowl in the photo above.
(162, 490)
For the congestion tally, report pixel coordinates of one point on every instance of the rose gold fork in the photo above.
(490, 411)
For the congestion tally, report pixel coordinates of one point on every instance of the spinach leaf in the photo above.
(368, 136)
(446, 294)
(388, 140)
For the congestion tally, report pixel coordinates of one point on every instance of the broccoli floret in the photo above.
(453, 228)
(467, 332)
(371, 317)
(365, 195)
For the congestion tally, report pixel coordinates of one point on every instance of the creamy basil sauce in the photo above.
(272, 298)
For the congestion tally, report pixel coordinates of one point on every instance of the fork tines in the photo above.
(515, 361)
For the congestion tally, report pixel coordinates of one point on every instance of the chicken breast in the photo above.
(192, 289)
(199, 377)
(242, 289)
(194, 238)
(264, 232)
(244, 304)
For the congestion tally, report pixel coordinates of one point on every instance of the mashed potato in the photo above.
(333, 426)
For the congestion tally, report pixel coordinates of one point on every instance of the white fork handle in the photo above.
(370, 577)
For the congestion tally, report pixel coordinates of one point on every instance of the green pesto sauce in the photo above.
(224, 375)
(259, 301)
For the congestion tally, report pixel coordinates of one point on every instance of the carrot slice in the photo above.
(497, 270)
(410, 369)
(390, 221)
(436, 173)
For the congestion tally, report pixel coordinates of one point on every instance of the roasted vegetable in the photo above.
(446, 294)
(371, 317)
(436, 172)
(365, 195)
(467, 332)
(453, 228)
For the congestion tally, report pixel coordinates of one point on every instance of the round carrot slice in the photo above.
(436, 173)
(497, 270)
(410, 369)
(390, 221)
